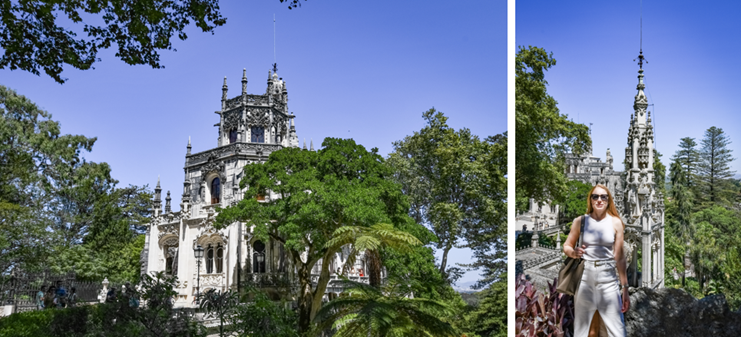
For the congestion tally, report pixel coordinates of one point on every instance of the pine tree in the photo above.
(714, 171)
(688, 159)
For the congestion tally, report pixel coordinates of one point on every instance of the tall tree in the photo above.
(659, 173)
(543, 134)
(688, 159)
(34, 158)
(456, 186)
(342, 184)
(679, 209)
(714, 170)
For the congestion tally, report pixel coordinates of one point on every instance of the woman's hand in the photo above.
(626, 300)
(579, 251)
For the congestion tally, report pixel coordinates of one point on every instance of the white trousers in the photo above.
(599, 291)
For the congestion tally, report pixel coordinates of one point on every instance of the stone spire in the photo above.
(304, 143)
(244, 81)
(189, 147)
(312, 145)
(224, 89)
(168, 209)
(157, 202)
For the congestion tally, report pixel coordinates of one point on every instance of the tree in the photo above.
(34, 41)
(489, 319)
(261, 317)
(342, 184)
(659, 173)
(380, 312)
(218, 304)
(543, 134)
(58, 210)
(717, 230)
(34, 158)
(575, 201)
(714, 170)
(369, 241)
(456, 187)
(688, 159)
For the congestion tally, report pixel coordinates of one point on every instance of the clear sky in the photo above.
(691, 76)
(365, 70)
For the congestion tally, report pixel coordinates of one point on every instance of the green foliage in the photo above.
(33, 40)
(261, 317)
(34, 158)
(713, 251)
(219, 305)
(456, 187)
(489, 317)
(714, 168)
(340, 185)
(659, 173)
(543, 134)
(57, 210)
(364, 310)
(116, 319)
(370, 241)
(575, 201)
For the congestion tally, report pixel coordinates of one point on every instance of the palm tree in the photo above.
(371, 240)
(219, 304)
(387, 311)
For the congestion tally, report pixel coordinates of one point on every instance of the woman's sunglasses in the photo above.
(604, 197)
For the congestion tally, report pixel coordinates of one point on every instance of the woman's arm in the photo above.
(622, 265)
(568, 246)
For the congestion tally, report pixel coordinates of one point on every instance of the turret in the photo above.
(157, 202)
(168, 209)
(244, 81)
(224, 90)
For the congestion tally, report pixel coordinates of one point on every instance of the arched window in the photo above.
(209, 259)
(219, 259)
(258, 134)
(215, 190)
(232, 136)
(258, 258)
(168, 265)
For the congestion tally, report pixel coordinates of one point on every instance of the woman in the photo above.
(600, 297)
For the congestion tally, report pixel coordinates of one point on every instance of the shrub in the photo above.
(542, 314)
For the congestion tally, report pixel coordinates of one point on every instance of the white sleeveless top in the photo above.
(599, 237)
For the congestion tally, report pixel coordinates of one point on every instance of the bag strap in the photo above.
(581, 230)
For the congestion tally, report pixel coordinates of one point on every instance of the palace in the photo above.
(250, 127)
(637, 199)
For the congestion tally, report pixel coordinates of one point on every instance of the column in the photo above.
(646, 263)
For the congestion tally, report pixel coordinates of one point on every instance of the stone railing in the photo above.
(219, 152)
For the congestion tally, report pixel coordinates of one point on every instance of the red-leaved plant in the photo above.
(542, 314)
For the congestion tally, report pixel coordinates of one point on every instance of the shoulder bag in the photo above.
(569, 277)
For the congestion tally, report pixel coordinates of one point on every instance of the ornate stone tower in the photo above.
(641, 205)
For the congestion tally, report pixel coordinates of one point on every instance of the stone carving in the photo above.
(212, 280)
(168, 229)
(232, 120)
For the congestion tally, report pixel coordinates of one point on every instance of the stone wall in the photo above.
(675, 313)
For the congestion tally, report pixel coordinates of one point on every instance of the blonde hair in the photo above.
(611, 209)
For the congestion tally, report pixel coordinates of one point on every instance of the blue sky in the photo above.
(361, 70)
(691, 76)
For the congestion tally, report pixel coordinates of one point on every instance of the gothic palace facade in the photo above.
(250, 128)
